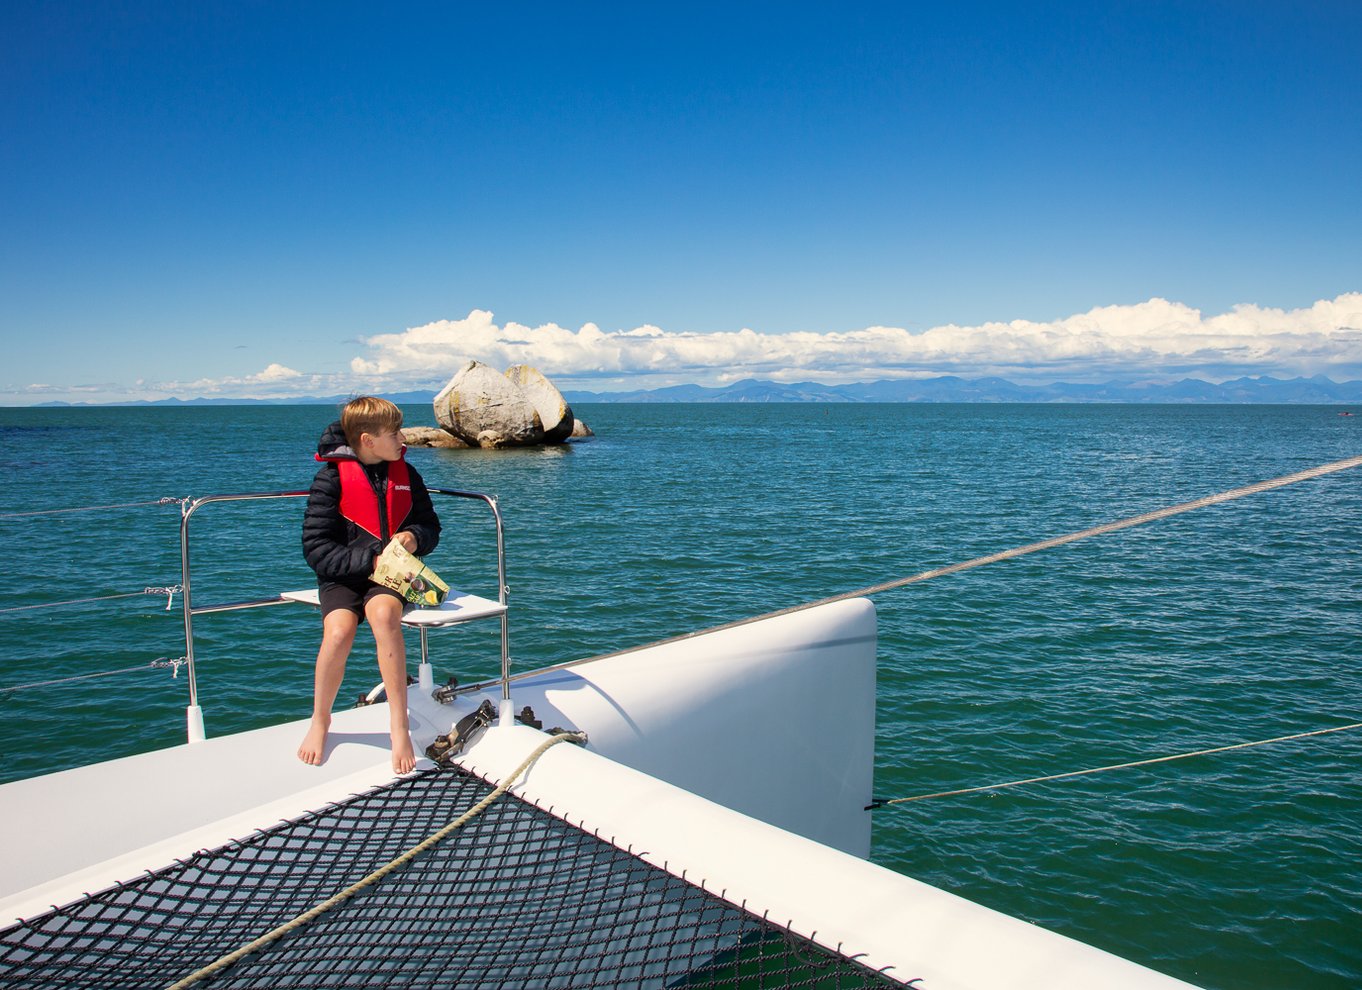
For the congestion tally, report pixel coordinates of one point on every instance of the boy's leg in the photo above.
(338, 633)
(384, 614)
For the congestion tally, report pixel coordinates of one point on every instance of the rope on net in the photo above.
(883, 802)
(170, 591)
(337, 899)
(160, 663)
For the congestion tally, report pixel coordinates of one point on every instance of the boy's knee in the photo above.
(384, 612)
(384, 605)
(338, 627)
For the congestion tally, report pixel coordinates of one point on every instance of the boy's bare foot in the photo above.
(404, 759)
(313, 748)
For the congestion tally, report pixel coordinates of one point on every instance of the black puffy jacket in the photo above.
(337, 549)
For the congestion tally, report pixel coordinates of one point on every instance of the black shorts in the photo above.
(353, 599)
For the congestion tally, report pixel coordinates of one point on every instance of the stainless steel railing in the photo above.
(194, 714)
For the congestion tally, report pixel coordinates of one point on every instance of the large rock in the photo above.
(487, 409)
(554, 413)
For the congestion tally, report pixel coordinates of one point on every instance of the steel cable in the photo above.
(167, 500)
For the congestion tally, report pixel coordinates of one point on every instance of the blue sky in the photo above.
(250, 198)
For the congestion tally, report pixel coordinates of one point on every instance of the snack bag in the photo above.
(403, 571)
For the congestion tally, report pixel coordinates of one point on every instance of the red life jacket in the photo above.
(359, 501)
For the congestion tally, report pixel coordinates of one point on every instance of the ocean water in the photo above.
(1233, 623)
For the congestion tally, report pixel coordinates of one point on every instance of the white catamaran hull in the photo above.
(742, 759)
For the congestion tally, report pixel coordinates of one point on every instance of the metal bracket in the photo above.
(444, 694)
(443, 750)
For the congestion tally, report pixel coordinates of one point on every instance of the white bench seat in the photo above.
(457, 607)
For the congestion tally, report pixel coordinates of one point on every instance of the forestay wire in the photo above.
(993, 558)
(1111, 527)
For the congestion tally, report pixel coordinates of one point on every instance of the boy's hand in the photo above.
(407, 539)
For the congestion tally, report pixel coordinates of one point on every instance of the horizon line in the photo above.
(1081, 393)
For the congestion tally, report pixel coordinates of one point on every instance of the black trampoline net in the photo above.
(515, 898)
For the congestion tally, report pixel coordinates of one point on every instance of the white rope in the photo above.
(1116, 766)
(331, 902)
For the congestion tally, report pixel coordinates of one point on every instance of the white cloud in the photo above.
(274, 373)
(1150, 339)
(275, 381)
(272, 382)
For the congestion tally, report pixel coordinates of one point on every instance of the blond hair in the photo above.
(367, 414)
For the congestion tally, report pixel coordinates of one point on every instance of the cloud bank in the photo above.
(275, 382)
(1154, 339)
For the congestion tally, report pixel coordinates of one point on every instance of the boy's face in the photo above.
(385, 445)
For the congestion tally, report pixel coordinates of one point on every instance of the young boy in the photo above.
(364, 495)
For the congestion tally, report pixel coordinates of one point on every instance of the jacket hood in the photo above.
(333, 446)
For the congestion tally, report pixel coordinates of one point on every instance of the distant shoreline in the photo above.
(1262, 390)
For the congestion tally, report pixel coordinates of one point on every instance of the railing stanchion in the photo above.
(194, 713)
(503, 596)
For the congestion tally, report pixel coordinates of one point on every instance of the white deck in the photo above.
(81, 830)
(681, 712)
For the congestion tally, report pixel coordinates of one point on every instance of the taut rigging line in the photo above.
(886, 802)
(993, 558)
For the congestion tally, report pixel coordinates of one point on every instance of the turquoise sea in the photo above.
(1233, 623)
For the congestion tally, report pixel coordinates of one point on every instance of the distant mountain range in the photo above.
(949, 388)
(946, 388)
(401, 398)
